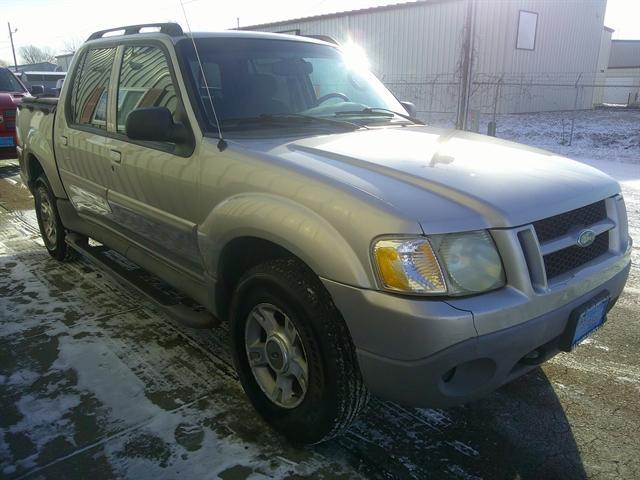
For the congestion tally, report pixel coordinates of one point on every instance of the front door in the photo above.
(154, 185)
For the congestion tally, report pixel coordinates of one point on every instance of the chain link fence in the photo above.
(491, 95)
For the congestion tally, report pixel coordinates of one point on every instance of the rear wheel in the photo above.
(51, 228)
(294, 354)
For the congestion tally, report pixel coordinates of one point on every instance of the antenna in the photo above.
(222, 144)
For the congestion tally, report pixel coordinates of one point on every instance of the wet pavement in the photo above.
(95, 382)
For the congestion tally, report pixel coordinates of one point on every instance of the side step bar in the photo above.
(134, 279)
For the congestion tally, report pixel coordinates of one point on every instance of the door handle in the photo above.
(115, 156)
(64, 140)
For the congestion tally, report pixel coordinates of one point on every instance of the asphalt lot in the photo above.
(96, 383)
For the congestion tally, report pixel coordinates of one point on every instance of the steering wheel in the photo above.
(326, 97)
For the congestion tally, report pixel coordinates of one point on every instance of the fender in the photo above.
(288, 224)
(36, 147)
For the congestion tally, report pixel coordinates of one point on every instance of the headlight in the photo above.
(453, 264)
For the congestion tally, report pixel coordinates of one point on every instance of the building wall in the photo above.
(622, 86)
(567, 46)
(625, 54)
(409, 41)
(622, 76)
(415, 50)
(64, 61)
(603, 62)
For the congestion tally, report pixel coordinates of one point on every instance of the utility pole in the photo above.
(466, 67)
(238, 22)
(11, 32)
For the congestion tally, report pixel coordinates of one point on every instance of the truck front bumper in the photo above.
(389, 333)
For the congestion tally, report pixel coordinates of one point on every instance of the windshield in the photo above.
(9, 83)
(251, 78)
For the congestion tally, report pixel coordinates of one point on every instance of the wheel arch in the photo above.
(248, 229)
(35, 167)
(237, 257)
(34, 170)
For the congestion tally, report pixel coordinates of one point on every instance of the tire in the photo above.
(335, 393)
(51, 228)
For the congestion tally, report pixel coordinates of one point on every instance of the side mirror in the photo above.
(410, 108)
(154, 124)
(36, 90)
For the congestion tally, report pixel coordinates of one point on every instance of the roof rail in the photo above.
(324, 38)
(172, 29)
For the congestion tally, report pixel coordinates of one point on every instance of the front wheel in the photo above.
(51, 228)
(294, 354)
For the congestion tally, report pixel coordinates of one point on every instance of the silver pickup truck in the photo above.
(278, 184)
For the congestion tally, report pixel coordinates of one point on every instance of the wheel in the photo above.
(51, 228)
(294, 354)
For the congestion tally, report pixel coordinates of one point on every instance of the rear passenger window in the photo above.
(90, 91)
(145, 81)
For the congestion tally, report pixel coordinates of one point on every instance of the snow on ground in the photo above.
(612, 134)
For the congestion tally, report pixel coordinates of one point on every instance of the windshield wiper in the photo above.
(380, 111)
(297, 118)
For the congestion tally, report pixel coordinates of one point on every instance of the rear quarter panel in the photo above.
(35, 136)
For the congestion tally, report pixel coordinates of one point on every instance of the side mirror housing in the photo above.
(410, 108)
(154, 124)
(36, 90)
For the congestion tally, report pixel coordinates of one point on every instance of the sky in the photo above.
(56, 23)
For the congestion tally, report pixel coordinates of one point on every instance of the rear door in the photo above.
(80, 134)
(154, 185)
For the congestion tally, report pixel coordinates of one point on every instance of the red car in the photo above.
(11, 93)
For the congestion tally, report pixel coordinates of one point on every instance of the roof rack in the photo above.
(172, 29)
(324, 38)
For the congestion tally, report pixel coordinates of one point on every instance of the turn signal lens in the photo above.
(409, 266)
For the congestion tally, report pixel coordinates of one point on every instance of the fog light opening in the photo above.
(532, 357)
(468, 377)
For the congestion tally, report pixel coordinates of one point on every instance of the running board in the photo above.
(134, 278)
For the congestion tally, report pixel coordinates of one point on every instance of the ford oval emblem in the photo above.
(586, 238)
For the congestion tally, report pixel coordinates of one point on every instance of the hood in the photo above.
(449, 180)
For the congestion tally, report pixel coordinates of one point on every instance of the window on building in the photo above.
(145, 81)
(527, 25)
(91, 87)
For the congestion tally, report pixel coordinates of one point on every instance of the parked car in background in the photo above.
(12, 91)
(351, 248)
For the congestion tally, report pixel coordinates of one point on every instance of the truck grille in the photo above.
(568, 259)
(554, 227)
(571, 257)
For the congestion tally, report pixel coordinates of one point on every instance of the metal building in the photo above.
(527, 55)
(623, 73)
